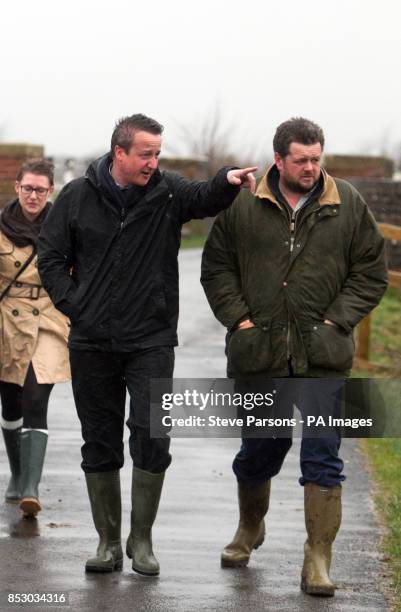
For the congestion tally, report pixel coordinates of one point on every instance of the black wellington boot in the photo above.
(146, 492)
(105, 499)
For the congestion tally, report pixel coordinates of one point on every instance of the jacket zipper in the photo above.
(293, 219)
(122, 218)
(292, 230)
(292, 240)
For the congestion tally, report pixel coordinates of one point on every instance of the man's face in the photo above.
(137, 166)
(33, 191)
(300, 168)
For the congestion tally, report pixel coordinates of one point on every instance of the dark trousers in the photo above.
(259, 459)
(99, 382)
(28, 402)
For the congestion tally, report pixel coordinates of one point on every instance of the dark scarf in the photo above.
(273, 179)
(18, 228)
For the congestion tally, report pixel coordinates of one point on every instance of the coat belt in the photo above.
(25, 290)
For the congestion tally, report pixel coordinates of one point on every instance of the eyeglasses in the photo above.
(28, 189)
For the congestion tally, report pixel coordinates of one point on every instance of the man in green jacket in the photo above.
(290, 271)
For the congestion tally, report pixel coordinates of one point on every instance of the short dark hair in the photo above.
(127, 126)
(37, 165)
(298, 130)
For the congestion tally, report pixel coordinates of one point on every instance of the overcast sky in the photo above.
(70, 69)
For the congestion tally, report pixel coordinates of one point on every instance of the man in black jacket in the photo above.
(108, 258)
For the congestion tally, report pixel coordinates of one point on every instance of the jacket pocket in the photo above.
(329, 347)
(249, 350)
(86, 318)
(74, 305)
(157, 304)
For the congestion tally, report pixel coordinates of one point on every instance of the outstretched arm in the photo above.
(243, 177)
(207, 198)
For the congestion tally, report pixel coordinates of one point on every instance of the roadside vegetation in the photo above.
(386, 332)
(384, 455)
(193, 241)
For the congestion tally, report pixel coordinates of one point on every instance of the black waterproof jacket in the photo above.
(112, 270)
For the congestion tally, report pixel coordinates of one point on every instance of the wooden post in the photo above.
(363, 339)
(390, 232)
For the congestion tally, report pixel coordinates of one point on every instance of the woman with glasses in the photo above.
(33, 335)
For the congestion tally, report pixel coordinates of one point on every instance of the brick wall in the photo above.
(372, 176)
(367, 166)
(192, 169)
(11, 158)
(383, 197)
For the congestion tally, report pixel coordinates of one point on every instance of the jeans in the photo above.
(259, 459)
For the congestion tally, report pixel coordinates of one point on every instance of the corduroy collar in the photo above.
(329, 195)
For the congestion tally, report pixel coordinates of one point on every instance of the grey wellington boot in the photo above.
(105, 498)
(322, 519)
(33, 450)
(250, 534)
(146, 492)
(12, 441)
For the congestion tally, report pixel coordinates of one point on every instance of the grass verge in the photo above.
(384, 455)
(386, 331)
(195, 241)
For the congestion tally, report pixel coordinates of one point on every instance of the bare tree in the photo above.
(209, 141)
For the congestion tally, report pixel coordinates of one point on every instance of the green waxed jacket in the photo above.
(330, 265)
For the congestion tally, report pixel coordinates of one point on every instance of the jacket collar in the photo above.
(329, 195)
(99, 176)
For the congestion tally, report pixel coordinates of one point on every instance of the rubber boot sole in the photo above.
(140, 571)
(242, 562)
(318, 591)
(234, 563)
(30, 506)
(103, 569)
(12, 500)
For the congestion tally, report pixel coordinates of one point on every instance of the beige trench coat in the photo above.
(31, 329)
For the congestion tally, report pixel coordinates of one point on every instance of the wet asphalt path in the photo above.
(197, 516)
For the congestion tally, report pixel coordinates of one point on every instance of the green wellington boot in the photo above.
(146, 491)
(12, 441)
(105, 499)
(250, 534)
(322, 519)
(33, 450)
